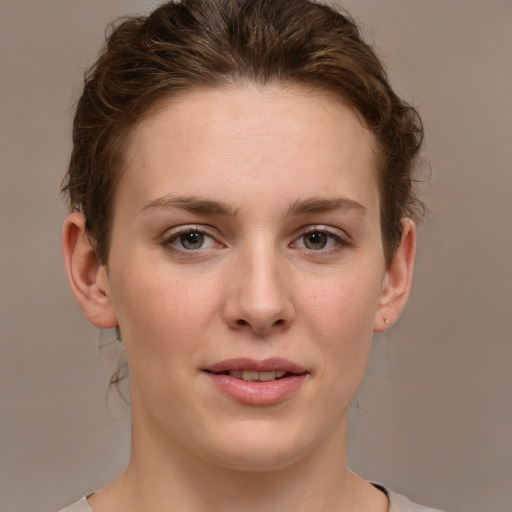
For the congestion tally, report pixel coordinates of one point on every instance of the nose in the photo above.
(258, 295)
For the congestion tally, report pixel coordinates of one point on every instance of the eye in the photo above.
(193, 240)
(189, 240)
(315, 240)
(320, 239)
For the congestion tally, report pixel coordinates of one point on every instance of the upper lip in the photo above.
(265, 365)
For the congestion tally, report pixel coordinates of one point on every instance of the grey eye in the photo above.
(188, 240)
(192, 240)
(315, 240)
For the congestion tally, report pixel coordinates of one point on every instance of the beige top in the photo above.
(397, 503)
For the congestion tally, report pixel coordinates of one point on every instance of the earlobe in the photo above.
(397, 280)
(87, 277)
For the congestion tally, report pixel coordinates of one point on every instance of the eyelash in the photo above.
(175, 236)
(339, 240)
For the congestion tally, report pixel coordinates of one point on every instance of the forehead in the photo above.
(284, 139)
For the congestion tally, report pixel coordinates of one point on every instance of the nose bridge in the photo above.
(259, 296)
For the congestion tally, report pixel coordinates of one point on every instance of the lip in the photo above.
(257, 393)
(266, 365)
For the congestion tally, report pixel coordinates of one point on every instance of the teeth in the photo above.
(252, 376)
(249, 376)
(266, 376)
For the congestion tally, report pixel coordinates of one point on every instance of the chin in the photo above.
(258, 449)
(255, 460)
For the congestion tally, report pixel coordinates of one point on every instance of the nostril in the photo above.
(279, 321)
(241, 322)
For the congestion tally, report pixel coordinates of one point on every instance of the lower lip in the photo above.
(258, 393)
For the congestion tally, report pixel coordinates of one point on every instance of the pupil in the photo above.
(192, 240)
(316, 241)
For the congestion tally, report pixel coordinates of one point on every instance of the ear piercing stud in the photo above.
(386, 321)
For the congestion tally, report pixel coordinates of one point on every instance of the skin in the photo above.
(269, 171)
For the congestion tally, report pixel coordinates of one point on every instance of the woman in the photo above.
(242, 213)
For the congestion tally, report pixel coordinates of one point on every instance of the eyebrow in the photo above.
(325, 205)
(202, 206)
(191, 204)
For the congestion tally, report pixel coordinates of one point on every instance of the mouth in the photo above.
(251, 370)
(254, 376)
(257, 382)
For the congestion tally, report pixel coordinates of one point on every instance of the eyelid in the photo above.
(174, 234)
(321, 228)
(339, 235)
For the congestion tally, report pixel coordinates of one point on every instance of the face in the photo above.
(246, 272)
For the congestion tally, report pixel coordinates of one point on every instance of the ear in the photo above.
(397, 279)
(87, 277)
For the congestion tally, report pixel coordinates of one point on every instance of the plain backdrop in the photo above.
(434, 417)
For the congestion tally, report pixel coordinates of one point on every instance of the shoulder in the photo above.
(79, 506)
(399, 503)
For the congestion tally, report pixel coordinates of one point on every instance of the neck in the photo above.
(166, 478)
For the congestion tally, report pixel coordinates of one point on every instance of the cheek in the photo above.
(343, 302)
(163, 317)
(341, 319)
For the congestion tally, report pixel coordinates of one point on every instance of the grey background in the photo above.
(434, 417)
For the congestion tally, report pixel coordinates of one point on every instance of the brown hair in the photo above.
(211, 43)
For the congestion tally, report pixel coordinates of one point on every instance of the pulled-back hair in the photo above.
(182, 46)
